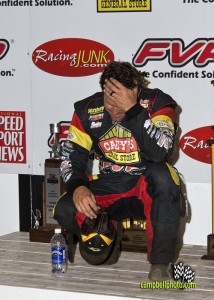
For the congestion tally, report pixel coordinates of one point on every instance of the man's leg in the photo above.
(164, 190)
(65, 212)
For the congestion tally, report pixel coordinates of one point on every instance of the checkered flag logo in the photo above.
(183, 272)
(188, 274)
(178, 271)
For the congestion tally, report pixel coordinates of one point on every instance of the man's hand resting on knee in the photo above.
(85, 202)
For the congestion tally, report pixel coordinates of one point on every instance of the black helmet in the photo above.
(97, 238)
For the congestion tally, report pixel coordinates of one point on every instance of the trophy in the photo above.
(52, 190)
(53, 183)
(56, 147)
(36, 218)
(134, 235)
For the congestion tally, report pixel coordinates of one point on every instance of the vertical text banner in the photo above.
(12, 137)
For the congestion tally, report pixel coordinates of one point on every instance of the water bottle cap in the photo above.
(57, 230)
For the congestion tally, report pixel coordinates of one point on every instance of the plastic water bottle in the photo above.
(58, 253)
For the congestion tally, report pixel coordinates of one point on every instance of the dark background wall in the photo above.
(30, 199)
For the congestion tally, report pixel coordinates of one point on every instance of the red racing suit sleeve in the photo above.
(75, 155)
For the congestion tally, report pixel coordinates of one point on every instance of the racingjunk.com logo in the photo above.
(4, 47)
(72, 57)
(200, 52)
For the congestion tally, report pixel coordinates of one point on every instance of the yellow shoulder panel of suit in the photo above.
(80, 138)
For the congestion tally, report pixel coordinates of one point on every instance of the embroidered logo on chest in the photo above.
(119, 145)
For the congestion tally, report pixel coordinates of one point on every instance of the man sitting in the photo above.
(131, 129)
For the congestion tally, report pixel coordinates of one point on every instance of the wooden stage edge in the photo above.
(26, 274)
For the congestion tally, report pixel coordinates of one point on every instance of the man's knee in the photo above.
(162, 174)
(64, 212)
(61, 206)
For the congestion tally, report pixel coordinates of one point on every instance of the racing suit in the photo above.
(134, 180)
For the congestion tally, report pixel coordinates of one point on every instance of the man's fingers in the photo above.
(88, 206)
(112, 85)
(93, 199)
(85, 202)
(108, 91)
(89, 211)
(116, 83)
(85, 209)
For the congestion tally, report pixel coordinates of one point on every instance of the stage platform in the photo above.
(25, 274)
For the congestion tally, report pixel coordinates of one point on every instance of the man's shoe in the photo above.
(160, 272)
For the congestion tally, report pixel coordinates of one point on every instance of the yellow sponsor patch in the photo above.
(123, 5)
(163, 121)
(93, 111)
(123, 157)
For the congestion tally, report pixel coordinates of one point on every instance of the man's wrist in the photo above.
(80, 187)
(71, 186)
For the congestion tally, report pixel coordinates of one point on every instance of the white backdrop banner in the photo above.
(56, 52)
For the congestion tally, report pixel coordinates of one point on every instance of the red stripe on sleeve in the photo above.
(166, 111)
(77, 123)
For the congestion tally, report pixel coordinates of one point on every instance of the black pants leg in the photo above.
(64, 213)
(165, 210)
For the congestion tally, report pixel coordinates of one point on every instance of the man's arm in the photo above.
(75, 157)
(155, 133)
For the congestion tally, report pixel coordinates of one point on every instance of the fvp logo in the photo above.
(4, 47)
(200, 51)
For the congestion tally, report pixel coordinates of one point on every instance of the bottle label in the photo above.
(58, 255)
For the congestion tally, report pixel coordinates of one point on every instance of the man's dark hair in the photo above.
(124, 72)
